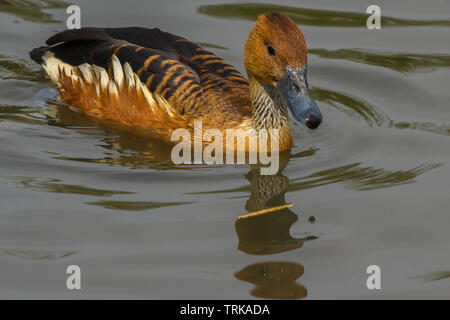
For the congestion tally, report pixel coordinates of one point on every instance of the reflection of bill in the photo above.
(274, 280)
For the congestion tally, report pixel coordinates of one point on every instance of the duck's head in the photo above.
(275, 55)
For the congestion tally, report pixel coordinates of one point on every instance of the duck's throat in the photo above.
(269, 108)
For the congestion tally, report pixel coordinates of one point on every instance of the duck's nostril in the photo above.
(313, 121)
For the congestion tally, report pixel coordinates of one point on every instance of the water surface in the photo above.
(369, 186)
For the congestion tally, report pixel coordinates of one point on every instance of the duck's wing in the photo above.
(191, 79)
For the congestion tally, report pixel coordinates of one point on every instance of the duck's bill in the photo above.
(294, 88)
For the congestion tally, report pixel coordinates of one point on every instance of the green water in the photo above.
(369, 186)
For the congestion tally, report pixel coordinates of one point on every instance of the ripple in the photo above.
(353, 106)
(52, 185)
(20, 114)
(135, 205)
(357, 108)
(32, 10)
(356, 176)
(439, 275)
(401, 62)
(306, 16)
(360, 178)
(443, 129)
(37, 254)
(20, 69)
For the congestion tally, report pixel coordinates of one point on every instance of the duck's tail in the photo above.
(117, 94)
(37, 54)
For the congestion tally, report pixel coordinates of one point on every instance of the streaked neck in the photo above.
(269, 108)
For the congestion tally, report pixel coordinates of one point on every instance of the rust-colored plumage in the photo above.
(281, 33)
(150, 78)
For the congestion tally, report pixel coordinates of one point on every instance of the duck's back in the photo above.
(185, 82)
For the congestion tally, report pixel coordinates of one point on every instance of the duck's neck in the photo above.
(269, 108)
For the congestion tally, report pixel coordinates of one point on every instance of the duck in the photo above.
(148, 78)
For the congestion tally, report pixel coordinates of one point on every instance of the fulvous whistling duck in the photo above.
(150, 78)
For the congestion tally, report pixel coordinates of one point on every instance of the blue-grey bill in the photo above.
(294, 88)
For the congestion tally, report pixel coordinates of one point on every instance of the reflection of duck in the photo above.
(268, 233)
(258, 235)
(123, 145)
(152, 79)
(274, 280)
(265, 230)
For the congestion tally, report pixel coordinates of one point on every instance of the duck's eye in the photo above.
(270, 50)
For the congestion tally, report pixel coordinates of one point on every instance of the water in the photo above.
(370, 186)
